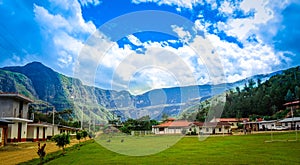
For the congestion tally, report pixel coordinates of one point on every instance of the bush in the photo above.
(62, 140)
(41, 152)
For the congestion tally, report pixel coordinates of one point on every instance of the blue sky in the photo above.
(243, 38)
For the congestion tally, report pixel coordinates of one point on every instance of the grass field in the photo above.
(245, 149)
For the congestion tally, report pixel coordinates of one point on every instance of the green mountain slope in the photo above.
(45, 85)
(256, 99)
(16, 82)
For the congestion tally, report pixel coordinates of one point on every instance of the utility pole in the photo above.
(53, 109)
(90, 122)
(81, 125)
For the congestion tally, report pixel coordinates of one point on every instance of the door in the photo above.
(37, 133)
(19, 132)
(44, 133)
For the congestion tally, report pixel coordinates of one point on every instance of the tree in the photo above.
(297, 92)
(289, 96)
(258, 82)
(84, 134)
(238, 90)
(79, 136)
(41, 152)
(251, 83)
(62, 140)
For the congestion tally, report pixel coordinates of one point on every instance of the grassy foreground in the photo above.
(248, 149)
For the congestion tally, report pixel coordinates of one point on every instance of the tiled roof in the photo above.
(292, 103)
(232, 119)
(212, 124)
(177, 123)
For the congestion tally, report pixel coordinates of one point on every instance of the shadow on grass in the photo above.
(57, 154)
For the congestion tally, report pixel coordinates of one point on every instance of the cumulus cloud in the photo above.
(64, 29)
(90, 2)
(180, 3)
(200, 60)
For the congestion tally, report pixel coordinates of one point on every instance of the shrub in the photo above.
(41, 152)
(62, 140)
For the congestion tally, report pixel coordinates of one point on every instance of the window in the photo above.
(207, 129)
(220, 129)
(286, 124)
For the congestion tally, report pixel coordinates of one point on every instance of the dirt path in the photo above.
(21, 152)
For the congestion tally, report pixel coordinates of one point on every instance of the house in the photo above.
(291, 123)
(172, 126)
(67, 129)
(14, 108)
(4, 131)
(234, 122)
(260, 125)
(213, 128)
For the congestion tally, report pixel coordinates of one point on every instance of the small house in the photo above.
(234, 122)
(213, 128)
(291, 123)
(172, 126)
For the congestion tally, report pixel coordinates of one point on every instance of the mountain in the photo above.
(43, 84)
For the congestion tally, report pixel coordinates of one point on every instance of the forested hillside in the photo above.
(264, 99)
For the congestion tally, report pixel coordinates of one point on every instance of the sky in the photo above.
(139, 45)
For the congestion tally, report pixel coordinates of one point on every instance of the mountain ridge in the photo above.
(66, 92)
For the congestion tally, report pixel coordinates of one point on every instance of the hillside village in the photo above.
(19, 123)
(17, 126)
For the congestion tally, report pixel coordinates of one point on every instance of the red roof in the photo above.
(212, 124)
(177, 123)
(232, 119)
(292, 103)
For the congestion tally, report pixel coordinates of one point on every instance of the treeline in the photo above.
(142, 124)
(64, 117)
(266, 99)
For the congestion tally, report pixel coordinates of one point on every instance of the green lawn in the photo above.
(245, 149)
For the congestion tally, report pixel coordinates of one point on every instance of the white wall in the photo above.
(13, 131)
(49, 130)
(31, 132)
(24, 130)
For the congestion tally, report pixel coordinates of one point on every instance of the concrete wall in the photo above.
(49, 130)
(209, 130)
(169, 130)
(289, 124)
(6, 108)
(10, 108)
(32, 133)
(13, 131)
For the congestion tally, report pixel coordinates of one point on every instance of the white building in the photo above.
(291, 123)
(14, 108)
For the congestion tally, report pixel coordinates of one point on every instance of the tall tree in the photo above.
(297, 92)
(289, 96)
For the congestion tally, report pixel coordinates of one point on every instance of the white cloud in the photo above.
(180, 3)
(64, 28)
(134, 40)
(244, 62)
(90, 2)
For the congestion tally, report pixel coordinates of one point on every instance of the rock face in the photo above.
(42, 83)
